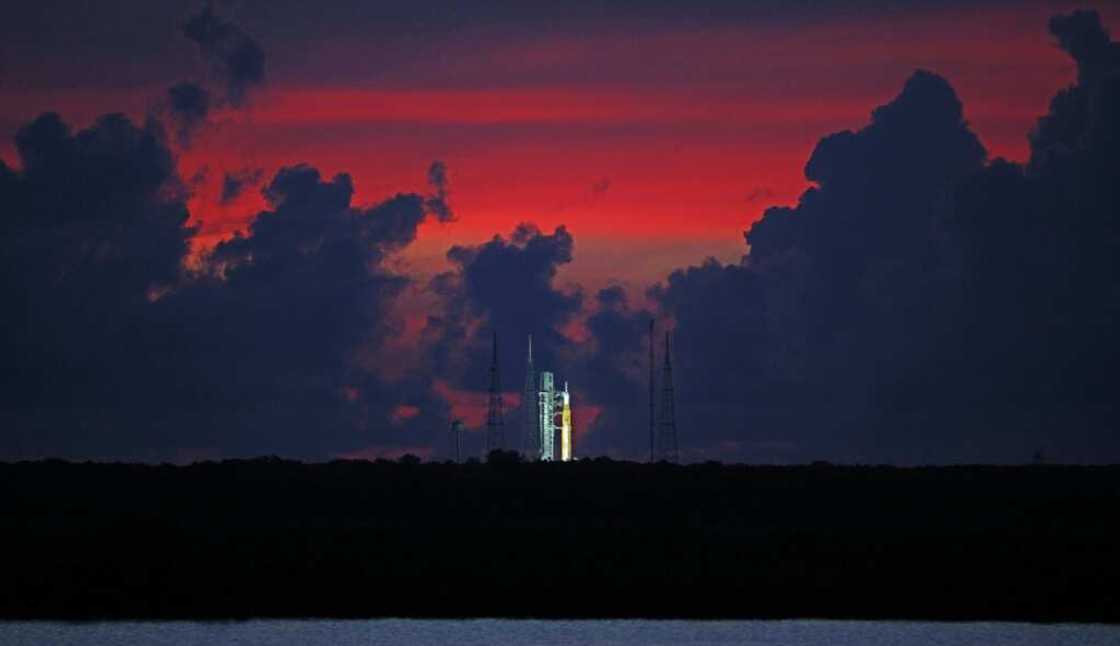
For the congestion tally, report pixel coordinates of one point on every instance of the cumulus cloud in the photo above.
(503, 285)
(94, 226)
(840, 297)
(1083, 37)
(920, 303)
(271, 345)
(609, 371)
(302, 296)
(1040, 248)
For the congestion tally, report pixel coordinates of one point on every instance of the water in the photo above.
(592, 633)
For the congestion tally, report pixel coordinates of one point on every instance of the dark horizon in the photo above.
(593, 539)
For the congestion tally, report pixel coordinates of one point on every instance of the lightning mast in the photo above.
(457, 440)
(494, 431)
(530, 422)
(667, 439)
(652, 415)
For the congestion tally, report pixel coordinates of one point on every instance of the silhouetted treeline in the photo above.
(592, 539)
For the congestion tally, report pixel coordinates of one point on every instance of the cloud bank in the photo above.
(919, 303)
(270, 345)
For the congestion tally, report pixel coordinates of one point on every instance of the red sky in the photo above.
(655, 145)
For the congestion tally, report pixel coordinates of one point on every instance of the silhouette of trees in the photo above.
(502, 457)
(273, 537)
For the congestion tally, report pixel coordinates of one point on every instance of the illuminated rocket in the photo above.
(540, 416)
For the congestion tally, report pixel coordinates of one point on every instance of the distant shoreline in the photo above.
(269, 538)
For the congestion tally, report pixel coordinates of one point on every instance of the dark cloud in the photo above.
(85, 200)
(271, 345)
(237, 59)
(1083, 37)
(305, 303)
(613, 297)
(188, 106)
(503, 285)
(239, 64)
(511, 282)
(838, 297)
(94, 226)
(1075, 121)
(439, 202)
(842, 296)
(1041, 245)
(609, 371)
(739, 362)
(920, 304)
(235, 183)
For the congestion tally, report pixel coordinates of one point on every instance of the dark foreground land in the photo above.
(590, 539)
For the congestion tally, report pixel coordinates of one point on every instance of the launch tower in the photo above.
(495, 436)
(547, 407)
(667, 436)
(530, 415)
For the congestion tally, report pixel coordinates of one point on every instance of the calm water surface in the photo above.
(595, 632)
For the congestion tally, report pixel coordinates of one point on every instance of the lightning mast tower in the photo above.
(652, 455)
(530, 413)
(495, 439)
(667, 439)
(457, 440)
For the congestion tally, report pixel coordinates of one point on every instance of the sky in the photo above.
(658, 136)
(638, 140)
